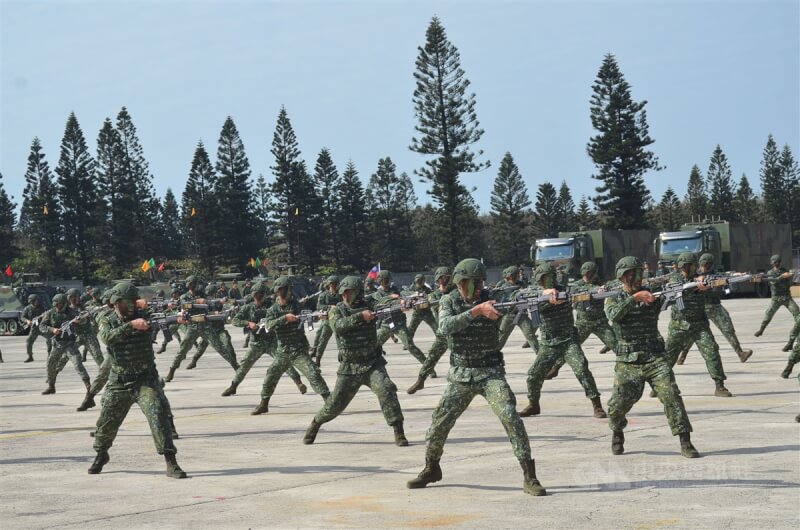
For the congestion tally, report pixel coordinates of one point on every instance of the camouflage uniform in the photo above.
(324, 303)
(423, 314)
(780, 288)
(381, 296)
(87, 335)
(64, 348)
(794, 356)
(29, 313)
(523, 322)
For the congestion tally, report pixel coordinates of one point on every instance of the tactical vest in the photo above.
(595, 310)
(781, 287)
(359, 344)
(638, 331)
(477, 345)
(133, 354)
(288, 333)
(557, 321)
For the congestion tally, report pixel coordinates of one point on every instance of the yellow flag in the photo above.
(296, 212)
(252, 263)
(146, 265)
(193, 212)
(45, 210)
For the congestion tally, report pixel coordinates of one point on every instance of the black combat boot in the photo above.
(431, 473)
(100, 460)
(597, 405)
(311, 432)
(300, 386)
(687, 449)
(399, 436)
(553, 373)
(192, 365)
(653, 392)
(30, 358)
(173, 469)
(531, 410)
(433, 374)
(760, 330)
(788, 346)
(51, 389)
(170, 374)
(721, 391)
(419, 384)
(617, 443)
(88, 402)
(787, 371)
(526, 345)
(744, 355)
(531, 484)
(235, 365)
(262, 407)
(231, 390)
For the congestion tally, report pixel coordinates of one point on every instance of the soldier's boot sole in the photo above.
(261, 408)
(432, 473)
(597, 407)
(311, 433)
(51, 389)
(787, 371)
(170, 375)
(532, 409)
(687, 449)
(231, 390)
(744, 355)
(100, 460)
(419, 384)
(617, 443)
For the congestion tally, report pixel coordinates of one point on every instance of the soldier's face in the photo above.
(444, 280)
(707, 267)
(285, 293)
(385, 282)
(333, 288)
(470, 289)
(60, 308)
(259, 298)
(73, 300)
(122, 307)
(350, 296)
(546, 281)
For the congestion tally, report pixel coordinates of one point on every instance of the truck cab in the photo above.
(567, 252)
(669, 245)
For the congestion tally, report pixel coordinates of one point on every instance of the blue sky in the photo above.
(713, 73)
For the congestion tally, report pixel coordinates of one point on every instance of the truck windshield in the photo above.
(676, 246)
(554, 252)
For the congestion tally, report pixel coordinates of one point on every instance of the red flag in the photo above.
(9, 271)
(161, 267)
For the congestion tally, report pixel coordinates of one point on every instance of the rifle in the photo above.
(388, 313)
(528, 302)
(310, 297)
(416, 301)
(309, 317)
(262, 326)
(67, 327)
(587, 296)
(33, 322)
(162, 322)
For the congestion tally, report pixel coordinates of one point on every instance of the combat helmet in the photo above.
(542, 270)
(60, 298)
(469, 269)
(513, 270)
(33, 299)
(124, 291)
(775, 259)
(260, 288)
(686, 258)
(441, 271)
(589, 266)
(106, 299)
(625, 264)
(281, 282)
(349, 283)
(73, 292)
(384, 275)
(332, 279)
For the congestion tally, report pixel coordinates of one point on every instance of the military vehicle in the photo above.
(14, 299)
(570, 250)
(736, 247)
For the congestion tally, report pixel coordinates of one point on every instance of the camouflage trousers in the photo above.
(219, 340)
(89, 341)
(456, 398)
(402, 333)
(525, 324)
(101, 378)
(32, 336)
(255, 351)
(118, 398)
(347, 385)
(300, 361)
(549, 354)
(776, 303)
(722, 319)
(601, 330)
(683, 334)
(438, 348)
(322, 338)
(61, 353)
(629, 380)
(417, 318)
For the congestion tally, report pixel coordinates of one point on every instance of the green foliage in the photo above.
(200, 229)
(746, 202)
(566, 208)
(353, 223)
(546, 211)
(719, 174)
(8, 219)
(389, 201)
(327, 183)
(510, 205)
(170, 220)
(584, 216)
(669, 211)
(696, 200)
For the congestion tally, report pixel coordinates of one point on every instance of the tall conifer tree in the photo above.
(545, 217)
(353, 222)
(722, 187)
(327, 183)
(696, 195)
(510, 205)
(233, 196)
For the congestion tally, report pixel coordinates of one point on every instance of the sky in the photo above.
(712, 72)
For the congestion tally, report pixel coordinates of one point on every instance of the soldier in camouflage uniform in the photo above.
(325, 302)
(794, 357)
(361, 362)
(133, 379)
(105, 369)
(691, 324)
(641, 358)
(30, 313)
(559, 342)
(439, 346)
(780, 284)
(292, 348)
(421, 314)
(471, 324)
(717, 313)
(174, 329)
(262, 341)
(87, 335)
(216, 330)
(511, 282)
(386, 293)
(64, 347)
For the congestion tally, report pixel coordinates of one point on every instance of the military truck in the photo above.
(736, 247)
(14, 299)
(605, 247)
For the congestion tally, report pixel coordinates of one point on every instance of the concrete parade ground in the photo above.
(253, 471)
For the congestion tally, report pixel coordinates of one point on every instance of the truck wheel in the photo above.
(762, 290)
(2, 327)
(12, 326)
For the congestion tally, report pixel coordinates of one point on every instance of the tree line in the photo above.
(98, 217)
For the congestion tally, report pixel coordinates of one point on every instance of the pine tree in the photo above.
(510, 204)
(773, 186)
(448, 126)
(77, 187)
(566, 209)
(236, 231)
(8, 219)
(620, 151)
(696, 196)
(669, 211)
(327, 183)
(353, 221)
(172, 243)
(584, 216)
(199, 210)
(546, 209)
(261, 212)
(284, 190)
(39, 219)
(746, 202)
(722, 187)
(388, 200)
(307, 214)
(790, 174)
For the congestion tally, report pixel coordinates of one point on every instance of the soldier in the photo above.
(325, 302)
(780, 283)
(422, 313)
(361, 362)
(248, 287)
(234, 293)
(87, 335)
(641, 358)
(439, 346)
(105, 369)
(369, 286)
(262, 341)
(133, 379)
(64, 348)
(559, 342)
(174, 329)
(292, 348)
(30, 319)
(215, 331)
(691, 325)
(511, 282)
(386, 293)
(717, 313)
(471, 324)
(222, 291)
(88, 295)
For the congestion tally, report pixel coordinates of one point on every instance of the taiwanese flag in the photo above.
(373, 272)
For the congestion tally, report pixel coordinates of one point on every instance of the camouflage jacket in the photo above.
(379, 296)
(779, 287)
(436, 296)
(291, 337)
(326, 300)
(130, 351)
(30, 312)
(356, 338)
(635, 327)
(558, 323)
(52, 319)
(473, 342)
(694, 302)
(595, 309)
(251, 312)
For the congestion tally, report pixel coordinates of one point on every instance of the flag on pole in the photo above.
(9, 271)
(258, 262)
(194, 212)
(152, 263)
(296, 212)
(146, 266)
(373, 272)
(252, 263)
(161, 267)
(45, 210)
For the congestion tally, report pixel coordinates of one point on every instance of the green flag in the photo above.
(258, 262)
(152, 262)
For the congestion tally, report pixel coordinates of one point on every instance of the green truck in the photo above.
(605, 247)
(736, 247)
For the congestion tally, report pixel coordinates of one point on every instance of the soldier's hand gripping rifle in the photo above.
(527, 302)
(261, 327)
(389, 313)
(585, 297)
(68, 328)
(309, 317)
(34, 322)
(673, 293)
